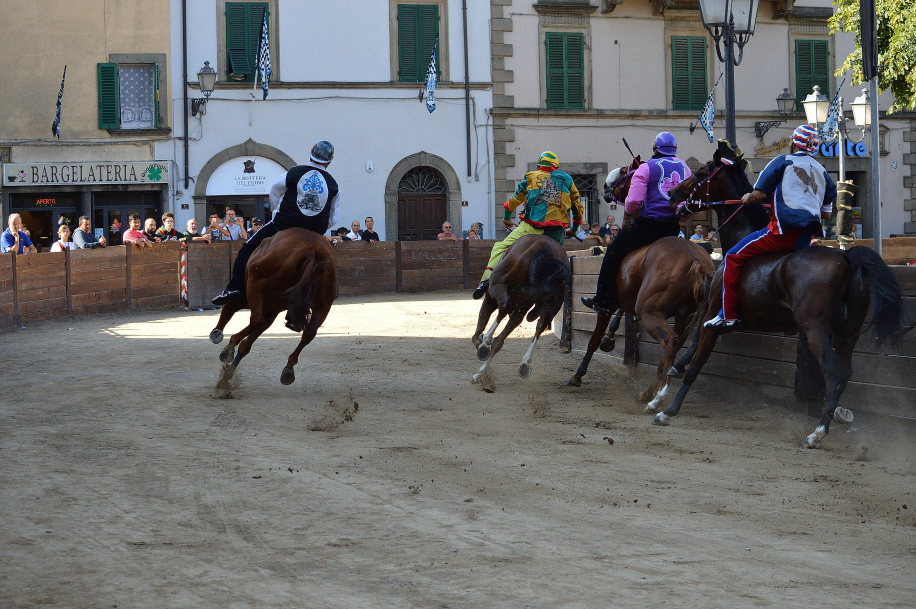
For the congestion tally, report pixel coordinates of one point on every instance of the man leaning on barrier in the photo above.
(83, 238)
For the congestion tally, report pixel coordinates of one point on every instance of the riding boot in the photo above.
(481, 289)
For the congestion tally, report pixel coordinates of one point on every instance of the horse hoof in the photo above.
(812, 441)
(228, 372)
(524, 370)
(216, 336)
(226, 355)
(574, 382)
(483, 352)
(650, 409)
(676, 373)
(287, 377)
(607, 344)
(475, 379)
(661, 419)
(843, 415)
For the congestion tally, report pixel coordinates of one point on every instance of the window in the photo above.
(244, 21)
(418, 31)
(565, 56)
(688, 72)
(811, 68)
(128, 95)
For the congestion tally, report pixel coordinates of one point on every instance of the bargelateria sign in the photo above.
(60, 174)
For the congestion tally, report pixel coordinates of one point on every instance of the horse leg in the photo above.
(706, 343)
(255, 329)
(524, 369)
(486, 340)
(608, 341)
(670, 341)
(820, 344)
(600, 324)
(225, 314)
(228, 351)
(486, 311)
(320, 312)
(514, 320)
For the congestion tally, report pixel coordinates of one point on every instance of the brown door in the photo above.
(420, 216)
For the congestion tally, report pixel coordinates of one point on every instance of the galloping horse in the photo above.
(531, 278)
(295, 270)
(823, 293)
(656, 282)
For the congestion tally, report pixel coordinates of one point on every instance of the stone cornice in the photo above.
(477, 86)
(564, 7)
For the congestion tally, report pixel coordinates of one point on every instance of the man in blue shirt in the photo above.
(14, 241)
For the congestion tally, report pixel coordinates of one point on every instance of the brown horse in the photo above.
(531, 278)
(823, 293)
(656, 282)
(294, 270)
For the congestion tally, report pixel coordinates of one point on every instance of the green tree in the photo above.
(896, 47)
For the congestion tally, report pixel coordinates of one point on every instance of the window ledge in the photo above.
(157, 131)
(347, 85)
(564, 7)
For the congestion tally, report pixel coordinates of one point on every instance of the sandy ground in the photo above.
(125, 484)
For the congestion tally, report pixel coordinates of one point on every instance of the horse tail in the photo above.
(699, 277)
(545, 272)
(303, 293)
(892, 314)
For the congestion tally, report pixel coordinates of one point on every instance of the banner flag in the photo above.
(263, 60)
(431, 80)
(831, 128)
(55, 127)
(708, 114)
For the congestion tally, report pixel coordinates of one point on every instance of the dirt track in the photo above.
(125, 484)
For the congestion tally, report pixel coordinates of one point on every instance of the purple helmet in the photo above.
(665, 143)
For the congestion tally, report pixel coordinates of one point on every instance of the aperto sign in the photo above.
(852, 149)
(51, 174)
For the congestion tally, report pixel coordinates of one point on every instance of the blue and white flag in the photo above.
(431, 80)
(55, 127)
(708, 114)
(830, 128)
(263, 59)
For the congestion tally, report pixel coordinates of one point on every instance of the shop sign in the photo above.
(852, 149)
(252, 175)
(59, 174)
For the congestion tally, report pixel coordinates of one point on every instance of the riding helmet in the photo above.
(665, 143)
(322, 152)
(548, 159)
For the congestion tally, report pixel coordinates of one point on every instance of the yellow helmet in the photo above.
(549, 159)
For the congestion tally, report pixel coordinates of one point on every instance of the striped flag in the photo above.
(708, 114)
(431, 80)
(830, 128)
(55, 127)
(263, 59)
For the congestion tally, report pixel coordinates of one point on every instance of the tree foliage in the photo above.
(896, 47)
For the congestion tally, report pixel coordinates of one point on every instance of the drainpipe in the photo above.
(467, 85)
(184, 83)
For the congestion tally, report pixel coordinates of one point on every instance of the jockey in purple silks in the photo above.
(647, 199)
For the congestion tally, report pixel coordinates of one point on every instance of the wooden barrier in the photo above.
(899, 250)
(367, 268)
(98, 280)
(154, 275)
(209, 266)
(7, 292)
(41, 286)
(883, 380)
(431, 265)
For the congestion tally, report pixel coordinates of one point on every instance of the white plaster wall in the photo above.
(525, 60)
(642, 72)
(764, 71)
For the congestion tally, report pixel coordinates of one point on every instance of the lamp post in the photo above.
(865, 115)
(206, 80)
(731, 22)
(785, 101)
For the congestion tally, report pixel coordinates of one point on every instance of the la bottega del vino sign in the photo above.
(51, 174)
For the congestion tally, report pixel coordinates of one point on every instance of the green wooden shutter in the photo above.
(429, 36)
(109, 99)
(418, 29)
(256, 14)
(688, 72)
(812, 67)
(565, 57)
(243, 33)
(156, 90)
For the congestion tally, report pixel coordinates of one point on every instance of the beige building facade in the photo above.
(116, 120)
(578, 76)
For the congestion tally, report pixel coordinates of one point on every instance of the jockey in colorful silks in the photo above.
(548, 194)
(655, 218)
(801, 193)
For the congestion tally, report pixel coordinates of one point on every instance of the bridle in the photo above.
(620, 182)
(710, 172)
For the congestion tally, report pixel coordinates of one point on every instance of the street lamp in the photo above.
(861, 111)
(733, 22)
(206, 80)
(785, 101)
(816, 107)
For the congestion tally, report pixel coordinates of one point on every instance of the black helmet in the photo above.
(322, 152)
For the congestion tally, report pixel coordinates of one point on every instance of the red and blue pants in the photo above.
(760, 242)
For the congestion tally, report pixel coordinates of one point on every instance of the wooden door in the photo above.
(420, 216)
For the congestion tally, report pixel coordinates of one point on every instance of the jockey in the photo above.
(306, 196)
(647, 199)
(802, 192)
(548, 194)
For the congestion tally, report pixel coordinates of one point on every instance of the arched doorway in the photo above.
(422, 204)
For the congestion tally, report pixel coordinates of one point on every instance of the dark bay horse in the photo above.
(531, 278)
(656, 282)
(823, 293)
(294, 270)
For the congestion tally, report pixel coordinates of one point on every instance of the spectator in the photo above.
(615, 230)
(606, 229)
(370, 235)
(681, 234)
(63, 242)
(256, 224)
(135, 235)
(233, 228)
(191, 233)
(339, 235)
(116, 227)
(150, 230)
(698, 233)
(472, 234)
(83, 238)
(446, 234)
(217, 232)
(167, 231)
(354, 231)
(14, 240)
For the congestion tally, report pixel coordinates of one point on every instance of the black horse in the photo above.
(822, 293)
